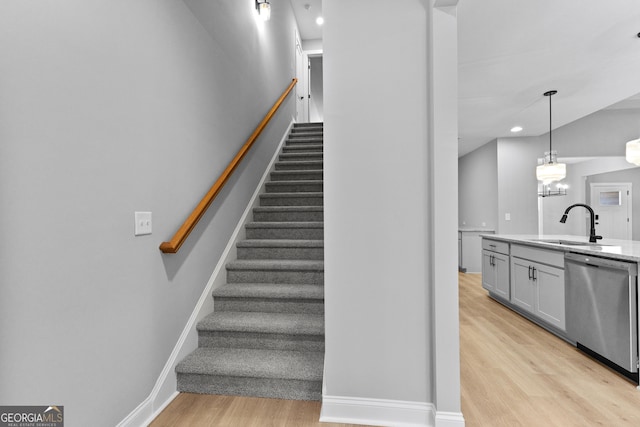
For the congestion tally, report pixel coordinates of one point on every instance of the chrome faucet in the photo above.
(592, 234)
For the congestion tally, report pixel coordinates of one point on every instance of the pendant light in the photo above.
(550, 170)
(633, 152)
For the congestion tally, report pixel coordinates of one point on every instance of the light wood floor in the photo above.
(513, 373)
(197, 410)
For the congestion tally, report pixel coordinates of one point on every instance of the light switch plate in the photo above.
(142, 223)
(507, 216)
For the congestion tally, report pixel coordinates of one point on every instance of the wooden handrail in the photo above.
(172, 246)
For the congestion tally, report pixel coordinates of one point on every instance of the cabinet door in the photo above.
(522, 286)
(550, 295)
(488, 271)
(501, 267)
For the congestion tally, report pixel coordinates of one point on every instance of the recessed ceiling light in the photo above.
(516, 129)
(320, 20)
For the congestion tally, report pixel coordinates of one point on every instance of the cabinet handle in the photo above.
(491, 260)
(535, 275)
(530, 275)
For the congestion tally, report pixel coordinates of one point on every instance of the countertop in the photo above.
(627, 250)
(466, 229)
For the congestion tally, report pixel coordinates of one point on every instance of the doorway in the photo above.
(315, 97)
(302, 107)
(612, 205)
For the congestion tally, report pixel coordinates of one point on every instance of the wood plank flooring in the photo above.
(514, 373)
(199, 410)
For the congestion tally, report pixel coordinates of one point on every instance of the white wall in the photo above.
(376, 201)
(109, 107)
(379, 206)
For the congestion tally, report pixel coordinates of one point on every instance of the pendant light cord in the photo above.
(550, 94)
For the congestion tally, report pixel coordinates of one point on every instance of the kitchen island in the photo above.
(585, 293)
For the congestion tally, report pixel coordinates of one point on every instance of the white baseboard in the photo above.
(164, 390)
(449, 419)
(377, 412)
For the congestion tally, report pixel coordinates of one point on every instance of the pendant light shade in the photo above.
(633, 152)
(550, 170)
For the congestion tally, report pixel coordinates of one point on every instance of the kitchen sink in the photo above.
(566, 242)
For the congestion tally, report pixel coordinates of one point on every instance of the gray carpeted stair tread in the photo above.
(297, 148)
(254, 363)
(299, 165)
(288, 213)
(295, 186)
(283, 243)
(270, 291)
(285, 224)
(290, 194)
(276, 265)
(304, 175)
(289, 209)
(264, 323)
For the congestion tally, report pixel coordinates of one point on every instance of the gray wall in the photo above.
(376, 201)
(109, 107)
(478, 182)
(517, 184)
(316, 102)
(628, 175)
(600, 134)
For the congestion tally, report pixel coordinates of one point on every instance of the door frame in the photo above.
(628, 186)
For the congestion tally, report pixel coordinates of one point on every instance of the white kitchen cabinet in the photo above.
(469, 249)
(537, 283)
(495, 268)
(522, 285)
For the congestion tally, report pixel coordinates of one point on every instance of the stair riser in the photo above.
(214, 339)
(288, 216)
(258, 387)
(286, 233)
(298, 166)
(304, 144)
(269, 305)
(291, 201)
(286, 277)
(288, 157)
(281, 253)
(307, 130)
(298, 148)
(296, 176)
(294, 187)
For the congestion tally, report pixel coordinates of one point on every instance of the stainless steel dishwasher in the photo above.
(601, 310)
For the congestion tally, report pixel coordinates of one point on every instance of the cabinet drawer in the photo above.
(495, 246)
(543, 256)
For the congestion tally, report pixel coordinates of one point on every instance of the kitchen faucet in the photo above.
(592, 234)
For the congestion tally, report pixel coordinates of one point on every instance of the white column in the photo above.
(444, 190)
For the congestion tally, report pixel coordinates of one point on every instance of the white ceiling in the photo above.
(512, 51)
(306, 18)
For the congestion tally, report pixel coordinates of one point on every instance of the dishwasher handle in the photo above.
(595, 261)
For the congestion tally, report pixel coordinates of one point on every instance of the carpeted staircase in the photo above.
(265, 337)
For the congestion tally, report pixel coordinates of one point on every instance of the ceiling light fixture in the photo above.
(319, 20)
(550, 170)
(633, 152)
(516, 129)
(264, 9)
